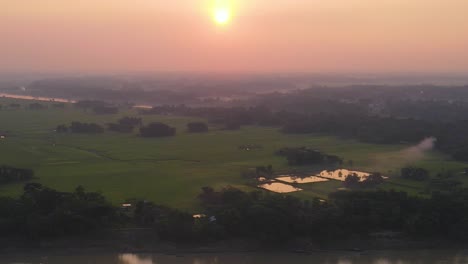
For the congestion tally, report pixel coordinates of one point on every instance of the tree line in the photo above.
(273, 218)
(128, 125)
(230, 213)
(306, 156)
(44, 212)
(452, 136)
(125, 124)
(33, 106)
(10, 174)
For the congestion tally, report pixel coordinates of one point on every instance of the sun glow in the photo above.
(222, 15)
(222, 12)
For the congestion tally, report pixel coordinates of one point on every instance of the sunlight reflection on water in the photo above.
(371, 257)
(135, 259)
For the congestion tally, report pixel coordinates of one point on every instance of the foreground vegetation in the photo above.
(230, 213)
(171, 170)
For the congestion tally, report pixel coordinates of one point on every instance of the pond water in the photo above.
(52, 99)
(341, 174)
(279, 187)
(377, 257)
(143, 106)
(301, 180)
(38, 98)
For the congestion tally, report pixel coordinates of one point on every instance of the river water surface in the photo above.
(380, 257)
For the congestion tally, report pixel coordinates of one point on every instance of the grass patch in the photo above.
(172, 170)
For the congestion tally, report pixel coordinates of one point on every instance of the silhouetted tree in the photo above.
(157, 130)
(86, 128)
(197, 127)
(417, 174)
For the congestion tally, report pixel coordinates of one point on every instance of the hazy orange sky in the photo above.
(263, 36)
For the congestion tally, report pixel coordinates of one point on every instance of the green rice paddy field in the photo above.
(172, 170)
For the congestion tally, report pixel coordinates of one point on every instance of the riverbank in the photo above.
(37, 98)
(55, 99)
(145, 241)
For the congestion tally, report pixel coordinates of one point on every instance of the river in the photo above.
(373, 257)
(53, 99)
(36, 98)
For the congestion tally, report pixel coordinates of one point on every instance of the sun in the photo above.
(222, 15)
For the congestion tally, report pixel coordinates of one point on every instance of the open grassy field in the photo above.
(172, 170)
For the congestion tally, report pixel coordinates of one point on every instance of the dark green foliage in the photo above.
(417, 174)
(36, 106)
(264, 171)
(120, 128)
(197, 127)
(41, 211)
(352, 181)
(461, 154)
(444, 184)
(130, 121)
(125, 124)
(258, 172)
(231, 213)
(61, 129)
(277, 218)
(10, 174)
(269, 217)
(85, 128)
(305, 156)
(330, 117)
(105, 110)
(364, 128)
(157, 130)
(172, 224)
(373, 180)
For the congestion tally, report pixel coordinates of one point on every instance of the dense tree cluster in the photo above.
(337, 119)
(444, 184)
(125, 124)
(277, 218)
(111, 89)
(306, 156)
(80, 128)
(91, 128)
(197, 127)
(353, 181)
(61, 129)
(11, 174)
(41, 211)
(157, 129)
(232, 118)
(130, 121)
(170, 224)
(258, 172)
(417, 174)
(231, 213)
